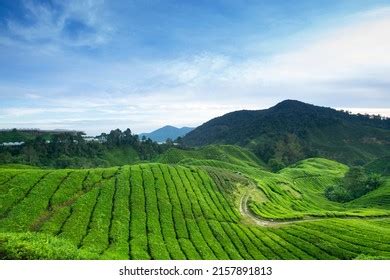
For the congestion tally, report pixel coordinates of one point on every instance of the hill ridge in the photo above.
(165, 132)
(304, 130)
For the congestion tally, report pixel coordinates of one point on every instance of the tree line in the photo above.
(70, 149)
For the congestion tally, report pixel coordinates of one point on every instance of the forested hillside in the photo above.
(293, 130)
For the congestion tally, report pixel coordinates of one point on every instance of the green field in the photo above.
(220, 155)
(193, 206)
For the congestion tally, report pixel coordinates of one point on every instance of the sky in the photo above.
(97, 65)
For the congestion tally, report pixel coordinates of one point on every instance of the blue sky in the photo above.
(99, 65)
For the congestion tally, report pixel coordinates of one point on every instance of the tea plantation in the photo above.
(198, 208)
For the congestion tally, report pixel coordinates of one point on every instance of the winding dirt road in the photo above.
(245, 211)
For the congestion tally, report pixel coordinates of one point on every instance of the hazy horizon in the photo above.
(374, 111)
(100, 65)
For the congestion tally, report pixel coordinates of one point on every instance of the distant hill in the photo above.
(168, 131)
(293, 130)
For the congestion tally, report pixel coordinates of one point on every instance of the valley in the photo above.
(195, 208)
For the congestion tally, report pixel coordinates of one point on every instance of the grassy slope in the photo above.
(121, 156)
(159, 211)
(110, 157)
(297, 192)
(213, 153)
(379, 198)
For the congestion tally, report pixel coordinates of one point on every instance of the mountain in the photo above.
(293, 130)
(168, 131)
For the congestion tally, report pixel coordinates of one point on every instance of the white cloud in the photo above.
(358, 50)
(370, 111)
(50, 23)
(351, 62)
(32, 96)
(353, 51)
(345, 67)
(12, 112)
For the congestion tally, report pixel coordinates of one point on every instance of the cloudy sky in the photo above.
(96, 65)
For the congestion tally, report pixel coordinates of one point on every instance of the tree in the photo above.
(30, 154)
(337, 193)
(114, 138)
(373, 181)
(288, 150)
(128, 137)
(265, 149)
(5, 157)
(179, 141)
(169, 142)
(355, 183)
(276, 164)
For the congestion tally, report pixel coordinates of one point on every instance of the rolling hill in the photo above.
(293, 130)
(168, 131)
(189, 211)
(224, 154)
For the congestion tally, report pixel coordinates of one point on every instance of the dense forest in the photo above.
(71, 149)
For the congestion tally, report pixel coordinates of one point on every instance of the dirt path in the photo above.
(245, 211)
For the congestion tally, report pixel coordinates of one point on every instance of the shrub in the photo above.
(355, 184)
(337, 193)
(32, 246)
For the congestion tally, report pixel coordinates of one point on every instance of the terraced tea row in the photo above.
(298, 193)
(159, 211)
